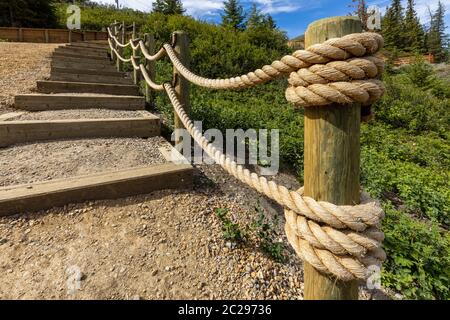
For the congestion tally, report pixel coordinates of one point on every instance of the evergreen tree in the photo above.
(413, 30)
(270, 22)
(392, 26)
(168, 7)
(436, 38)
(233, 15)
(256, 19)
(28, 13)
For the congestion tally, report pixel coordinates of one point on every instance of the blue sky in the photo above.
(293, 16)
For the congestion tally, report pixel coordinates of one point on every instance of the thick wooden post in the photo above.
(137, 57)
(181, 46)
(332, 158)
(150, 66)
(46, 36)
(20, 36)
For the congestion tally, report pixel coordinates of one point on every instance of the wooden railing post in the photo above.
(332, 158)
(137, 56)
(121, 39)
(181, 46)
(46, 36)
(114, 32)
(150, 66)
(20, 31)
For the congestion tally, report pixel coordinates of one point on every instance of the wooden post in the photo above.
(121, 39)
(150, 66)
(137, 57)
(46, 36)
(70, 36)
(20, 35)
(332, 158)
(181, 46)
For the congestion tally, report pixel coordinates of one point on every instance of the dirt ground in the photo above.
(21, 64)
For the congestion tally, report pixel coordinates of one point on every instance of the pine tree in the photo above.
(233, 15)
(28, 13)
(436, 38)
(270, 22)
(392, 26)
(413, 30)
(168, 7)
(255, 17)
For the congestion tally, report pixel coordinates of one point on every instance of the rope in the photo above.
(338, 240)
(116, 41)
(140, 45)
(153, 85)
(316, 78)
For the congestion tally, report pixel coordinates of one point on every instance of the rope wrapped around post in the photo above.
(341, 70)
(342, 241)
(338, 240)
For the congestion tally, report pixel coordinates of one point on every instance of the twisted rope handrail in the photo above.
(338, 240)
(345, 246)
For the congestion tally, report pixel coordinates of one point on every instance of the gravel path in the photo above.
(44, 161)
(21, 64)
(165, 245)
(77, 114)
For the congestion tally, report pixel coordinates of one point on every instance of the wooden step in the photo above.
(89, 45)
(84, 87)
(114, 73)
(82, 52)
(79, 56)
(14, 132)
(72, 77)
(80, 64)
(82, 48)
(43, 102)
(112, 185)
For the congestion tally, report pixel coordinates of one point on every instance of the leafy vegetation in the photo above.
(97, 17)
(231, 231)
(27, 14)
(265, 232)
(261, 229)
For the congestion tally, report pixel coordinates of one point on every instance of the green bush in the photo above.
(97, 17)
(418, 252)
(209, 43)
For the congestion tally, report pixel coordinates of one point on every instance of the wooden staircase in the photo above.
(83, 77)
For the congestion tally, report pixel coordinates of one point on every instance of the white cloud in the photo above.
(279, 6)
(202, 8)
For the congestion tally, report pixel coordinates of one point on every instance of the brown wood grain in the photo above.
(332, 158)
